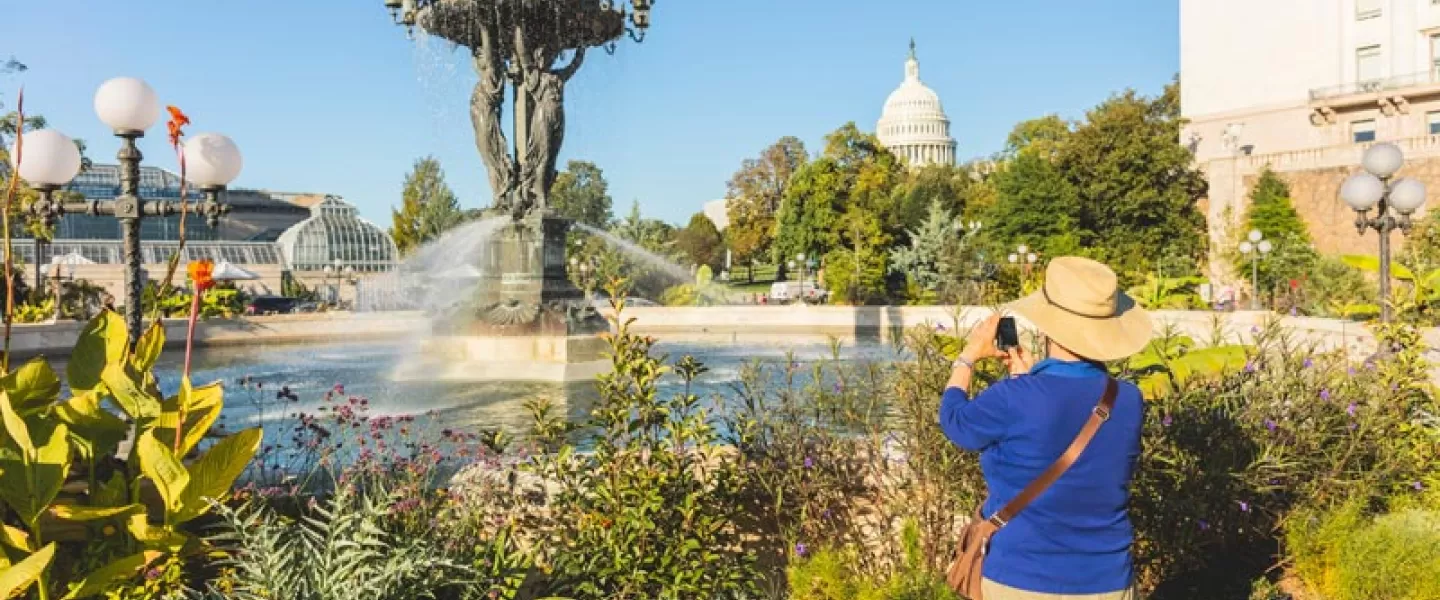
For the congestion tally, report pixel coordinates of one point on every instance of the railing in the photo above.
(1376, 85)
(1339, 156)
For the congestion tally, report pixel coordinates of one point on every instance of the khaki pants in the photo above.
(996, 591)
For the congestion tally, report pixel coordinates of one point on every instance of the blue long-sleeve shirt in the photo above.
(1076, 537)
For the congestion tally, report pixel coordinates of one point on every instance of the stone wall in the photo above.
(1316, 196)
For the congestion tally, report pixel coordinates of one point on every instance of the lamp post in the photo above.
(51, 160)
(800, 258)
(56, 272)
(1024, 258)
(129, 106)
(1393, 202)
(1255, 247)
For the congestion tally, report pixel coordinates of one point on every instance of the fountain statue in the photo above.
(524, 307)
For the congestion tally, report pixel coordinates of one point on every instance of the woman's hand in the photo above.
(1019, 361)
(980, 344)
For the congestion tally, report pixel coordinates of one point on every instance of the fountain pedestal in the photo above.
(527, 321)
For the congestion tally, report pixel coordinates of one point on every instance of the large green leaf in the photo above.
(212, 475)
(32, 387)
(160, 465)
(149, 347)
(16, 427)
(102, 342)
(94, 430)
(30, 484)
(151, 536)
(15, 538)
(19, 576)
(101, 579)
(202, 409)
(76, 512)
(1372, 264)
(124, 384)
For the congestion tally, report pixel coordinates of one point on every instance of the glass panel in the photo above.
(1433, 121)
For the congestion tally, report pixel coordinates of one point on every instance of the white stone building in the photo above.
(1304, 86)
(913, 124)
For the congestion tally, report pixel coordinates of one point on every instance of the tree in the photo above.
(1035, 205)
(951, 186)
(922, 262)
(428, 207)
(753, 197)
(1044, 136)
(1271, 213)
(809, 217)
(701, 243)
(581, 193)
(1137, 185)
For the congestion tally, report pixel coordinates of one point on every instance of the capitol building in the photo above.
(913, 124)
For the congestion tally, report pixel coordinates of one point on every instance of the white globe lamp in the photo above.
(1362, 191)
(1246, 247)
(1264, 247)
(50, 159)
(212, 160)
(1407, 195)
(128, 105)
(1383, 160)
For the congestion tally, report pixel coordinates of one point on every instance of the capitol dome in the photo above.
(913, 124)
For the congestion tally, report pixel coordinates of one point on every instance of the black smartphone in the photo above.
(1006, 337)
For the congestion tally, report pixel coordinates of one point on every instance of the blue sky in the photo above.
(328, 96)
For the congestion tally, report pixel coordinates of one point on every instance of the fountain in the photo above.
(524, 319)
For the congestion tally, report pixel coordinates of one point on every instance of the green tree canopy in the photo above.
(1271, 212)
(753, 197)
(1036, 206)
(428, 207)
(1044, 136)
(701, 243)
(1137, 185)
(922, 261)
(581, 193)
(809, 217)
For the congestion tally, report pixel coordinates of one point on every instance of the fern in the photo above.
(332, 553)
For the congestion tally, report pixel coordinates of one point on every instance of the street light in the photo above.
(800, 258)
(51, 160)
(1393, 201)
(129, 106)
(1255, 247)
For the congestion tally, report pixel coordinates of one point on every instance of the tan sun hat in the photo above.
(1081, 307)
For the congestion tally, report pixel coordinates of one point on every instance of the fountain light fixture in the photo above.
(1394, 201)
(129, 106)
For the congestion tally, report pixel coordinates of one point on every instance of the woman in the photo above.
(1073, 541)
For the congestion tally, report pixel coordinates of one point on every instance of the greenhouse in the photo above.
(335, 234)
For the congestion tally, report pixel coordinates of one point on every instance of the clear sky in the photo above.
(328, 96)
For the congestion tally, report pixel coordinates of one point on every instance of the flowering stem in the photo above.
(9, 257)
(185, 374)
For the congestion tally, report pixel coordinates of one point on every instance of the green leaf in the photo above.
(93, 430)
(75, 512)
(149, 347)
(1372, 264)
(161, 466)
(101, 579)
(18, 577)
(102, 342)
(202, 406)
(110, 493)
(153, 537)
(216, 470)
(15, 538)
(125, 386)
(16, 427)
(32, 387)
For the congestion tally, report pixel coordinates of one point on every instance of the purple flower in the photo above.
(939, 327)
(1204, 525)
(809, 463)
(838, 387)
(826, 513)
(1350, 410)
(1293, 312)
(1307, 364)
(1244, 506)
(1249, 367)
(1349, 370)
(1418, 486)
(1351, 427)
(1270, 425)
(1165, 422)
(1254, 329)
(1325, 394)
(801, 549)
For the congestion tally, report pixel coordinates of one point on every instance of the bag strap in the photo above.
(1098, 416)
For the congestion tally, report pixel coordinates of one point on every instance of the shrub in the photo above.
(1344, 554)
(651, 512)
(831, 574)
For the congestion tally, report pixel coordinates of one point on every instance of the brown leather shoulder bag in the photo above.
(964, 576)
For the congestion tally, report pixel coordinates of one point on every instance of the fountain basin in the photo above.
(550, 358)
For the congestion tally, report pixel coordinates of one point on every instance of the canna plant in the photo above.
(66, 481)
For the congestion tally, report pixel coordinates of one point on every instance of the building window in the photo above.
(1434, 57)
(1432, 122)
(1367, 9)
(1362, 131)
(1367, 64)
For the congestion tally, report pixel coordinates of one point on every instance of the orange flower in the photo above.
(177, 120)
(202, 274)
